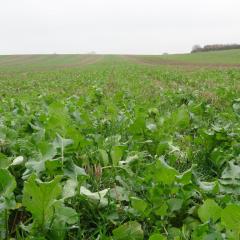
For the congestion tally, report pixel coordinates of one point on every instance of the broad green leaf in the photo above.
(138, 125)
(186, 177)
(69, 189)
(209, 211)
(164, 173)
(175, 204)
(162, 210)
(157, 236)
(39, 197)
(116, 154)
(112, 141)
(181, 118)
(203, 232)
(231, 172)
(61, 142)
(7, 183)
(163, 146)
(119, 194)
(104, 157)
(230, 180)
(53, 167)
(230, 217)
(73, 171)
(209, 187)
(18, 161)
(48, 150)
(58, 117)
(96, 197)
(64, 214)
(7, 198)
(174, 233)
(130, 230)
(4, 161)
(138, 204)
(130, 159)
(35, 165)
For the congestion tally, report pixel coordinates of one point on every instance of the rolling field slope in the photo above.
(228, 58)
(20, 63)
(120, 147)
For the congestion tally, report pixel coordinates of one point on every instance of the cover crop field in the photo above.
(120, 147)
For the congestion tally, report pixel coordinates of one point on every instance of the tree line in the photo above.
(214, 47)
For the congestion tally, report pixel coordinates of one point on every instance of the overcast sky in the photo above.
(116, 26)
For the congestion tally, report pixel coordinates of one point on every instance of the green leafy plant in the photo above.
(118, 149)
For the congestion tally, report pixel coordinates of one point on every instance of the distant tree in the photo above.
(196, 48)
